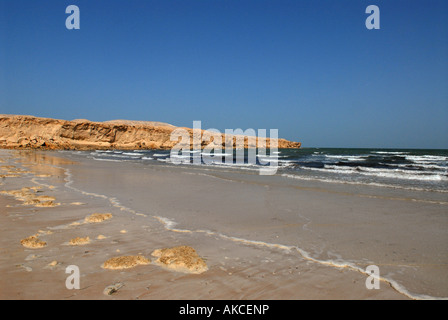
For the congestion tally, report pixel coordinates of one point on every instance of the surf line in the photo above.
(170, 226)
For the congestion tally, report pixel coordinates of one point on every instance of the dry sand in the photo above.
(209, 251)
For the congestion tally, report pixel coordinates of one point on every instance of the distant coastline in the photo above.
(29, 132)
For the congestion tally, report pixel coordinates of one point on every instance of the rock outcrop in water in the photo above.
(28, 132)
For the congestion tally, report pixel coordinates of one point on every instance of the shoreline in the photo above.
(248, 264)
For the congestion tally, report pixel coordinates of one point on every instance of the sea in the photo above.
(413, 169)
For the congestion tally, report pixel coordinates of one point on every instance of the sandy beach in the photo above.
(259, 237)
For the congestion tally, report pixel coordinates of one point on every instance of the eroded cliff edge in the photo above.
(28, 132)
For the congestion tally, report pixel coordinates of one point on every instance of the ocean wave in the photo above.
(347, 157)
(103, 159)
(363, 183)
(216, 154)
(122, 156)
(390, 152)
(267, 156)
(241, 166)
(394, 175)
(288, 161)
(133, 154)
(161, 155)
(431, 166)
(426, 158)
(419, 167)
(103, 151)
(179, 156)
(384, 173)
(404, 174)
(340, 169)
(224, 164)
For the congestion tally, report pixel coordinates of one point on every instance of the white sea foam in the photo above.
(390, 152)
(426, 158)
(384, 173)
(179, 156)
(347, 157)
(216, 154)
(264, 156)
(103, 159)
(364, 183)
(241, 166)
(286, 163)
(427, 166)
(341, 169)
(405, 174)
(116, 156)
(169, 224)
(161, 155)
(133, 154)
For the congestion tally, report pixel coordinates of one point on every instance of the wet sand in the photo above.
(260, 237)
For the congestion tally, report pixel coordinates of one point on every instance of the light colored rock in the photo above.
(28, 132)
(182, 259)
(113, 288)
(125, 262)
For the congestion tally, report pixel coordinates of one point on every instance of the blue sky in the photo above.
(309, 68)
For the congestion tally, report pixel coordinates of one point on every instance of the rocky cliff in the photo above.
(28, 132)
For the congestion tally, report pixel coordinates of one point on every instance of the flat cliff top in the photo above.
(111, 122)
(139, 123)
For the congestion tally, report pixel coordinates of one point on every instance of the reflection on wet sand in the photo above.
(43, 164)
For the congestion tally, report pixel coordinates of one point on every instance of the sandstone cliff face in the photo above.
(28, 132)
